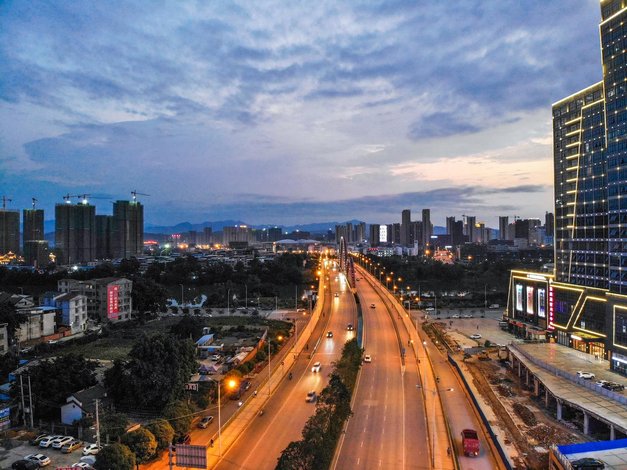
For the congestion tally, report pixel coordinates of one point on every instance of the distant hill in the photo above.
(317, 227)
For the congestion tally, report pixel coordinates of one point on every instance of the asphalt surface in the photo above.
(387, 429)
(286, 412)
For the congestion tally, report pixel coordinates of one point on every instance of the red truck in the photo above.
(470, 442)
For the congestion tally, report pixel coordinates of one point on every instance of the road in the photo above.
(387, 429)
(286, 412)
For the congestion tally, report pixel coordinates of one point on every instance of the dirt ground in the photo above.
(532, 429)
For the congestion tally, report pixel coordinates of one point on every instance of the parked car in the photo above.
(587, 463)
(91, 449)
(71, 446)
(47, 441)
(183, 440)
(601, 383)
(316, 367)
(455, 316)
(205, 421)
(40, 459)
(36, 440)
(467, 315)
(367, 358)
(81, 465)
(613, 386)
(475, 336)
(585, 375)
(61, 441)
(24, 465)
(311, 397)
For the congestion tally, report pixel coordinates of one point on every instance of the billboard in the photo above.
(542, 303)
(113, 307)
(530, 309)
(191, 456)
(519, 297)
(383, 234)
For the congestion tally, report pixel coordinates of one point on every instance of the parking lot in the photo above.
(15, 449)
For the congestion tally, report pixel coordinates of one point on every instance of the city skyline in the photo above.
(343, 112)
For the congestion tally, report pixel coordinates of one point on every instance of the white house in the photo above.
(81, 404)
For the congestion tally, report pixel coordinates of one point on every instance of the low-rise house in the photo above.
(39, 323)
(206, 346)
(108, 299)
(4, 338)
(82, 404)
(72, 308)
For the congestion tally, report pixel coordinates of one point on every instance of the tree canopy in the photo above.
(115, 456)
(142, 443)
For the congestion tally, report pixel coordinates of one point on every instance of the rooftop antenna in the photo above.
(4, 202)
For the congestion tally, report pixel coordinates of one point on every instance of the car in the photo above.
(301, 310)
(587, 463)
(24, 465)
(475, 336)
(429, 309)
(47, 441)
(81, 465)
(183, 440)
(40, 459)
(613, 386)
(71, 446)
(456, 316)
(349, 327)
(205, 421)
(467, 315)
(585, 375)
(601, 383)
(215, 357)
(372, 305)
(329, 334)
(311, 397)
(336, 295)
(367, 358)
(92, 449)
(316, 367)
(36, 440)
(61, 441)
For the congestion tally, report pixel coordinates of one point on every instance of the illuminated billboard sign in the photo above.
(113, 306)
(530, 309)
(541, 303)
(383, 234)
(551, 311)
(519, 297)
(191, 456)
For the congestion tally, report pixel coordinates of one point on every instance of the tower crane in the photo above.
(34, 202)
(134, 193)
(4, 202)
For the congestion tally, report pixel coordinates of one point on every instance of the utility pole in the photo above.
(22, 394)
(30, 401)
(97, 424)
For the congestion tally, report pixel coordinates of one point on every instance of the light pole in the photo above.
(246, 304)
(434, 392)
(182, 297)
(228, 300)
(231, 384)
(269, 367)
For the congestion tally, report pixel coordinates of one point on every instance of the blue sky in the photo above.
(287, 112)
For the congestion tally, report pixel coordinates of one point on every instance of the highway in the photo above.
(387, 429)
(286, 412)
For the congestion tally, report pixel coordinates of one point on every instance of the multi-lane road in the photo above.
(286, 412)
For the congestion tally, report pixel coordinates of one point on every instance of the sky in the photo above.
(290, 112)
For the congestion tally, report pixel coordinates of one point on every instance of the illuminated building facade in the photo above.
(584, 305)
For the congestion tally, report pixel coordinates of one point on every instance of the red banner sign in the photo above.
(113, 306)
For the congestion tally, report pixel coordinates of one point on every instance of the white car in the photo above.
(61, 441)
(367, 358)
(455, 316)
(81, 465)
(467, 315)
(91, 449)
(475, 336)
(47, 441)
(311, 397)
(39, 459)
(601, 383)
(316, 367)
(585, 375)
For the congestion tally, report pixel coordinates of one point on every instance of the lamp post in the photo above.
(231, 384)
(434, 392)
(246, 304)
(182, 297)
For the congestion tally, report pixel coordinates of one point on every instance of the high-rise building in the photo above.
(450, 223)
(457, 233)
(471, 228)
(427, 227)
(360, 232)
(275, 234)
(9, 231)
(104, 236)
(128, 229)
(75, 233)
(374, 234)
(549, 223)
(208, 235)
(34, 246)
(405, 227)
(503, 223)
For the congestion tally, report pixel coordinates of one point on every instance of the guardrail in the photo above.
(567, 375)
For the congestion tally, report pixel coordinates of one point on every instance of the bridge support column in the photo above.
(519, 368)
(546, 397)
(612, 433)
(536, 387)
(559, 409)
(586, 423)
(527, 377)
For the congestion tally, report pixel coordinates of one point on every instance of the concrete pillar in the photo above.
(586, 423)
(612, 433)
(546, 397)
(527, 377)
(519, 366)
(536, 387)
(559, 409)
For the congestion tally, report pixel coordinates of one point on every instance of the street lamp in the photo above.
(182, 297)
(231, 384)
(435, 393)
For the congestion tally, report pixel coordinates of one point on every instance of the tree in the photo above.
(142, 443)
(128, 267)
(148, 296)
(115, 457)
(158, 368)
(180, 416)
(8, 364)
(188, 327)
(8, 315)
(113, 425)
(163, 432)
(53, 380)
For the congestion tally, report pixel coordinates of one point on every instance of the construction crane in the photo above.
(34, 202)
(4, 202)
(134, 193)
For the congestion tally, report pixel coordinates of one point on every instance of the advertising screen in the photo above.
(541, 303)
(113, 307)
(383, 234)
(519, 297)
(530, 309)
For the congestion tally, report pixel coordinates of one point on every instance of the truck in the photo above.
(470, 442)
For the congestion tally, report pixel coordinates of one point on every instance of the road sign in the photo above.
(191, 386)
(191, 456)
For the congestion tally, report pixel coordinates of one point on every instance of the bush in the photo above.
(142, 443)
(116, 456)
(163, 432)
(179, 415)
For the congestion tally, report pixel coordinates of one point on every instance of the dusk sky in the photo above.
(287, 112)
